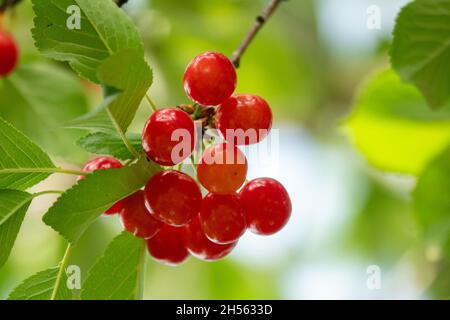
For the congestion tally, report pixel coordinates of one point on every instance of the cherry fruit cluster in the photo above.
(170, 212)
(9, 53)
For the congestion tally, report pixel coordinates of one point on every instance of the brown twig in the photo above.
(260, 22)
(5, 4)
(120, 3)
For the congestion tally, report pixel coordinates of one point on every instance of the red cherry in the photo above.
(222, 218)
(104, 163)
(201, 247)
(169, 136)
(222, 168)
(136, 218)
(210, 79)
(267, 205)
(168, 245)
(244, 119)
(173, 197)
(9, 53)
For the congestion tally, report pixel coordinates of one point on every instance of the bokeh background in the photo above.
(312, 63)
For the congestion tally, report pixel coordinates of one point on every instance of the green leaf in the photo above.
(117, 275)
(40, 286)
(105, 29)
(384, 213)
(393, 127)
(131, 77)
(38, 98)
(112, 144)
(97, 120)
(128, 72)
(431, 196)
(106, 50)
(13, 206)
(22, 163)
(421, 48)
(78, 207)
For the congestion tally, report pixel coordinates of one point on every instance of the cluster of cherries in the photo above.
(170, 212)
(9, 53)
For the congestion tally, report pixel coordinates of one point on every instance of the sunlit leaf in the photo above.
(393, 127)
(104, 30)
(106, 49)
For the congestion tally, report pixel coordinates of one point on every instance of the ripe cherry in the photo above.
(136, 218)
(266, 204)
(168, 245)
(210, 79)
(222, 218)
(222, 168)
(169, 136)
(104, 163)
(201, 247)
(173, 197)
(9, 53)
(244, 119)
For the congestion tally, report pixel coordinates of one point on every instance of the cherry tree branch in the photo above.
(120, 3)
(5, 4)
(260, 22)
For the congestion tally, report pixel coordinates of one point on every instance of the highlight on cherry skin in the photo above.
(210, 79)
(159, 137)
(9, 53)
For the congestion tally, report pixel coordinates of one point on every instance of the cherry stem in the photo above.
(44, 170)
(260, 22)
(42, 193)
(151, 103)
(122, 135)
(62, 267)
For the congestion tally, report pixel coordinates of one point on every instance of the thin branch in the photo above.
(260, 22)
(120, 3)
(8, 4)
(61, 270)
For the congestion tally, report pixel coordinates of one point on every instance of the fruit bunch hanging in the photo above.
(171, 213)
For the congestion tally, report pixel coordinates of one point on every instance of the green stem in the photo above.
(62, 268)
(122, 135)
(151, 103)
(47, 192)
(141, 274)
(44, 170)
